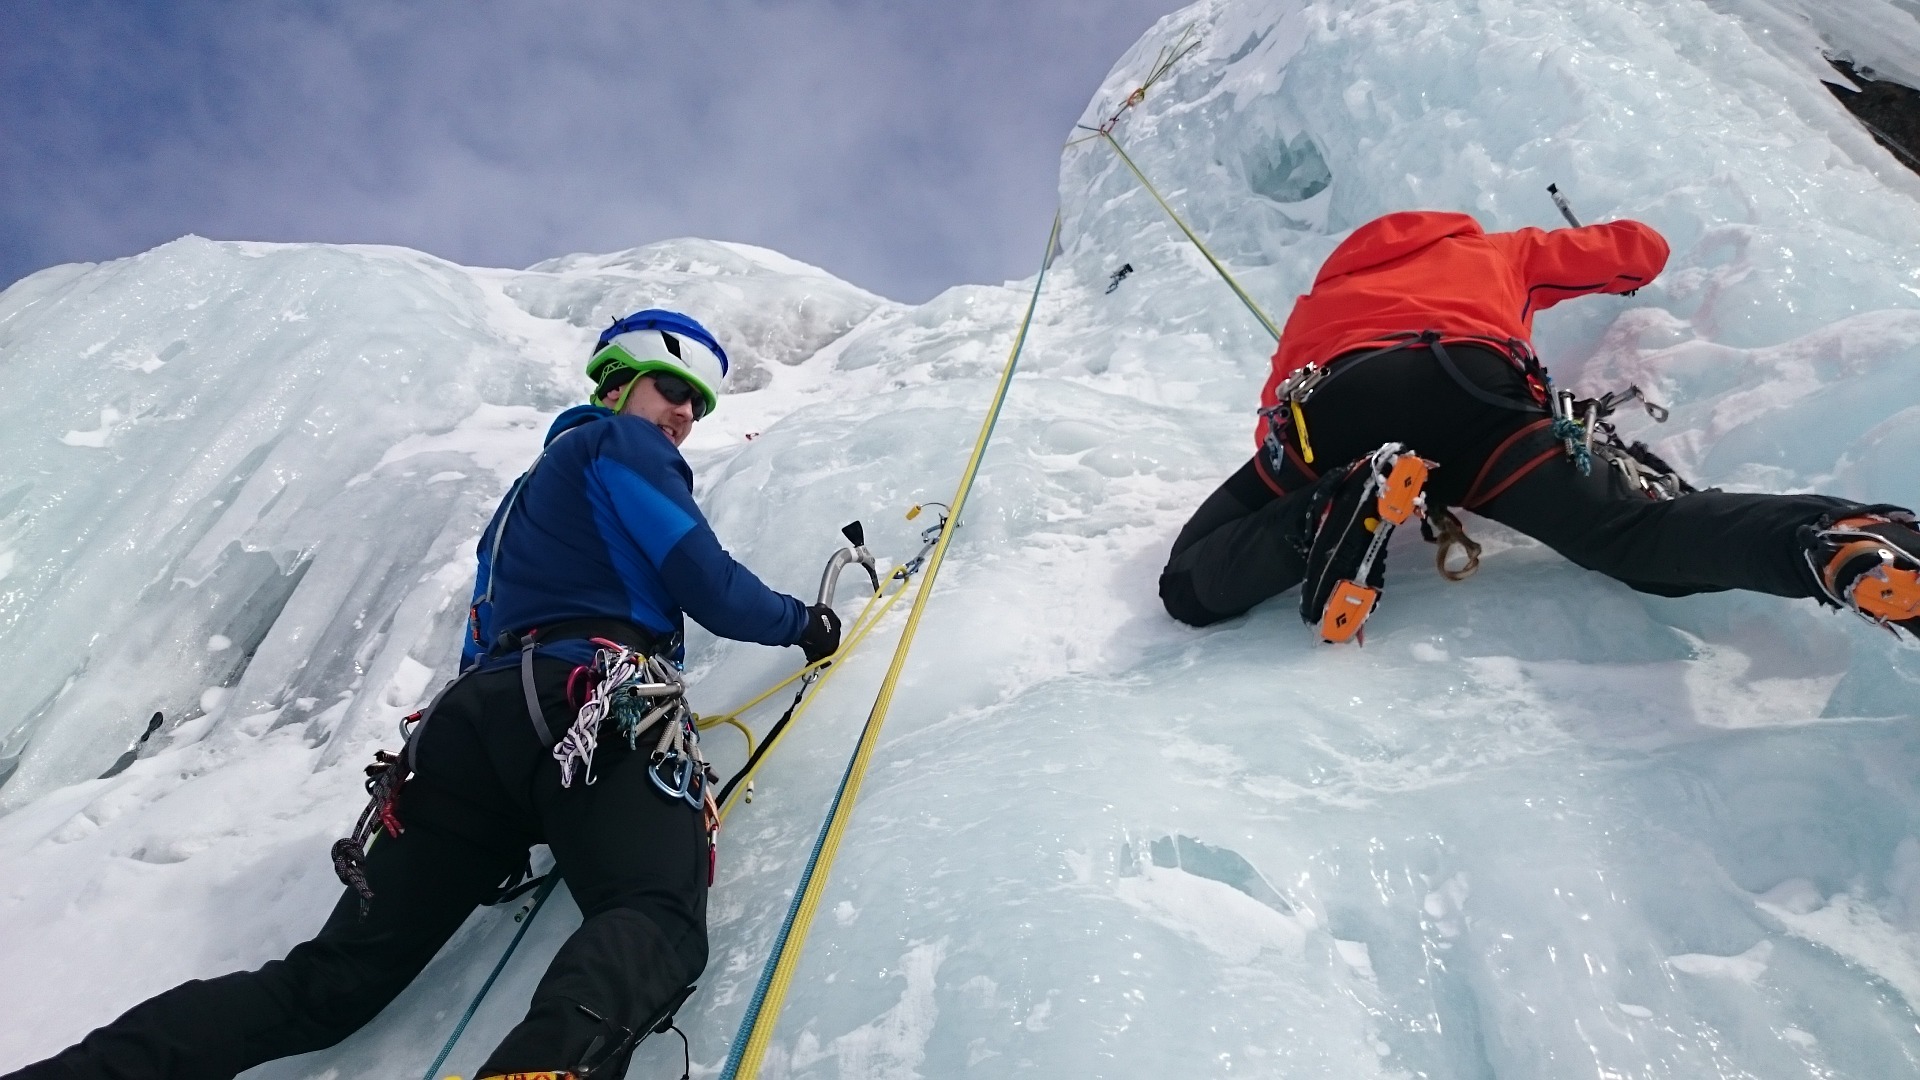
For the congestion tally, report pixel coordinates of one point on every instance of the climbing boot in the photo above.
(1871, 563)
(1352, 512)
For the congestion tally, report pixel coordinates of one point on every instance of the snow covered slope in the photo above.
(1540, 826)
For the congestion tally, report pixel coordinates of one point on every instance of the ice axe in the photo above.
(855, 552)
(1560, 201)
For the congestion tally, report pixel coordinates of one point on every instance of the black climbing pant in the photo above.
(485, 791)
(1243, 545)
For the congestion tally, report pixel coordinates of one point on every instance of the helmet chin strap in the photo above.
(620, 403)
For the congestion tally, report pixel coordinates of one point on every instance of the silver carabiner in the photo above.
(682, 767)
(696, 794)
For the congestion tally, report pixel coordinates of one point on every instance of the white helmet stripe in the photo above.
(698, 361)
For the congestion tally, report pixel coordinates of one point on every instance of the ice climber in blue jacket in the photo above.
(591, 561)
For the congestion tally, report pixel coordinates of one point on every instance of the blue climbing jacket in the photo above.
(604, 526)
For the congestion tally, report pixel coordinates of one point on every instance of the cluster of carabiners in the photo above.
(633, 690)
(1585, 431)
(678, 768)
(1285, 412)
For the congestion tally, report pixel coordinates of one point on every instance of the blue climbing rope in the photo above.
(539, 899)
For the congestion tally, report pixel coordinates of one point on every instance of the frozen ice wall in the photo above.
(231, 468)
(1539, 826)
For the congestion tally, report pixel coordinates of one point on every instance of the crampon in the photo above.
(1871, 563)
(1352, 513)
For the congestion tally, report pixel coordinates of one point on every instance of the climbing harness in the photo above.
(1286, 413)
(1582, 426)
(1352, 512)
(763, 1009)
(629, 693)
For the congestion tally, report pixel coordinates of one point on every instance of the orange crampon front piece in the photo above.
(1889, 592)
(1347, 611)
(1400, 494)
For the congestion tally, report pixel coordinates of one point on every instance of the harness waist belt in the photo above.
(615, 630)
(1432, 341)
(619, 630)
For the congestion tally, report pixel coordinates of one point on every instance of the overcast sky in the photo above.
(903, 145)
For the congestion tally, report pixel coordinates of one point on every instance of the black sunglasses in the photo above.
(679, 391)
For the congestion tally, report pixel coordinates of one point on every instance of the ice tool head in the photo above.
(659, 340)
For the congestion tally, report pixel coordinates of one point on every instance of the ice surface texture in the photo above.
(1540, 826)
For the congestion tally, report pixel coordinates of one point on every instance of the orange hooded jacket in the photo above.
(1427, 270)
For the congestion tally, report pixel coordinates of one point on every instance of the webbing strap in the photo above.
(500, 530)
(408, 751)
(1474, 389)
(763, 1010)
(532, 694)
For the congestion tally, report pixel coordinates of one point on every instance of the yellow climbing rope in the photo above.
(855, 631)
(869, 618)
(1218, 266)
(1169, 56)
(756, 1030)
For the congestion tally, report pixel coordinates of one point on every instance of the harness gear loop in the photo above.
(1598, 439)
(385, 777)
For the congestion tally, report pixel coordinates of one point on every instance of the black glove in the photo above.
(821, 638)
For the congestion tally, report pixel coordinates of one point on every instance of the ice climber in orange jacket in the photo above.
(1405, 384)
